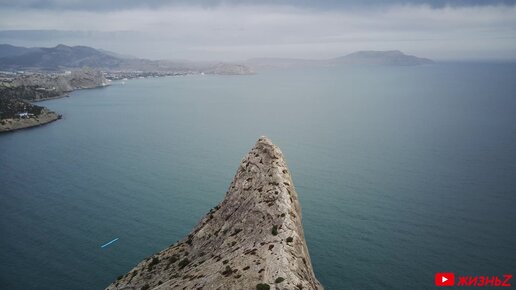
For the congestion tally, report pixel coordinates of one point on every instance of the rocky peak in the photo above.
(252, 240)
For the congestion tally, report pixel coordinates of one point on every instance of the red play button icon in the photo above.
(444, 279)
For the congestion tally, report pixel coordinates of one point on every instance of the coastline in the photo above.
(15, 124)
(50, 98)
(45, 117)
(67, 94)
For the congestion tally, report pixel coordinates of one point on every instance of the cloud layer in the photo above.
(233, 32)
(102, 5)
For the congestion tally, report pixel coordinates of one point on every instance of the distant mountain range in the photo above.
(369, 57)
(64, 57)
(388, 57)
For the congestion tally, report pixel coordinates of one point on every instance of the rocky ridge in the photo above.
(253, 239)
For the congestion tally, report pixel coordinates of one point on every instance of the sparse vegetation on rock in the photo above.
(217, 252)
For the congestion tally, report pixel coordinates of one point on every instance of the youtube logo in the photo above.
(444, 279)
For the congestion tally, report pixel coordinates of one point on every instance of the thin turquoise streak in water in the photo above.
(107, 244)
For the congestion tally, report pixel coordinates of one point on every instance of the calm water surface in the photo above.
(401, 171)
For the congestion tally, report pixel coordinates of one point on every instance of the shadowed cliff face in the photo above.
(254, 236)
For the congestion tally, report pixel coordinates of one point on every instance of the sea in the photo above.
(402, 172)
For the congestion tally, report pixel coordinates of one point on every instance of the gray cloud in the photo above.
(233, 32)
(102, 5)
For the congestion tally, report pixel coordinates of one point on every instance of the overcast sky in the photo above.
(240, 29)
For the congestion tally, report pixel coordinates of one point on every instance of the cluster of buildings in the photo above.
(25, 115)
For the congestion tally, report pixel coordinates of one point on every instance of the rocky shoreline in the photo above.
(19, 114)
(253, 239)
(13, 124)
(42, 86)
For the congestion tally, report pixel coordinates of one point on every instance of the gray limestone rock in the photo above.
(254, 236)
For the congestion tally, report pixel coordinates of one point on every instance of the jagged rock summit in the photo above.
(252, 240)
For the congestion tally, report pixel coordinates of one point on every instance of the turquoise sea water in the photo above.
(402, 172)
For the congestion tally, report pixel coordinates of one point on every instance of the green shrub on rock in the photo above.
(274, 230)
(279, 280)
(263, 286)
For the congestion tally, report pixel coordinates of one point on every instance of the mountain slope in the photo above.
(252, 240)
(64, 57)
(61, 56)
(7, 50)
